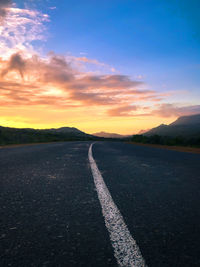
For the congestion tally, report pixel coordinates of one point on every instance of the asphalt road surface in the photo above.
(54, 213)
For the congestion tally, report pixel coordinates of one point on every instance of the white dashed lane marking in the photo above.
(126, 251)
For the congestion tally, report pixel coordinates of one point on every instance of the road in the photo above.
(52, 212)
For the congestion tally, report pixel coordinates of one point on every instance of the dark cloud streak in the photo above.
(4, 4)
(16, 62)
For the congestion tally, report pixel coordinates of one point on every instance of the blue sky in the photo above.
(157, 39)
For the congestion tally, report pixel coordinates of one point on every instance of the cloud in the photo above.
(172, 110)
(4, 5)
(122, 111)
(163, 110)
(110, 82)
(91, 98)
(52, 81)
(20, 28)
(15, 63)
(56, 81)
(86, 63)
(88, 60)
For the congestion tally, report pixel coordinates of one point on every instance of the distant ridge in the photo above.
(28, 135)
(66, 130)
(109, 135)
(186, 126)
(143, 131)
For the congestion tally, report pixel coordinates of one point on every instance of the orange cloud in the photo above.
(163, 110)
(172, 110)
(122, 111)
(53, 81)
(88, 60)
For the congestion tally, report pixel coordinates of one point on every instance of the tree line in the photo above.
(167, 140)
(23, 136)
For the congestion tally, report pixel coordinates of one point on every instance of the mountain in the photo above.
(143, 131)
(28, 135)
(186, 126)
(109, 135)
(187, 120)
(66, 130)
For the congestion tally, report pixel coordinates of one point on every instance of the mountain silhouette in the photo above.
(109, 135)
(186, 126)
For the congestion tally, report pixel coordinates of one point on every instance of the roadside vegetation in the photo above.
(167, 140)
(9, 136)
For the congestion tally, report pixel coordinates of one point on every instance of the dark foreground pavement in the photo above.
(51, 215)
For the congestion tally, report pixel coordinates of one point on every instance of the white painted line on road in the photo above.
(126, 251)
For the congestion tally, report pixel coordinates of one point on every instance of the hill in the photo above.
(185, 131)
(66, 130)
(28, 135)
(109, 135)
(186, 126)
(187, 120)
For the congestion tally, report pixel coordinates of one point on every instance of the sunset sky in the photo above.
(98, 65)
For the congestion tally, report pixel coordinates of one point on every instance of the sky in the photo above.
(117, 66)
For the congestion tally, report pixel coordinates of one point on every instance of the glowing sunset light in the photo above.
(114, 72)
